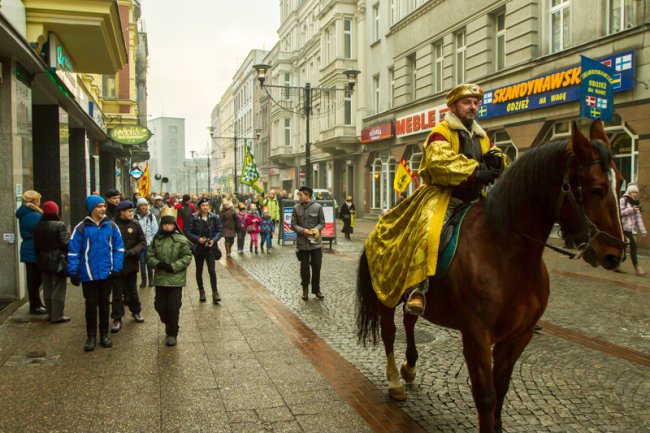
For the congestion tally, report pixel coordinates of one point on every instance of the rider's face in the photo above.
(466, 108)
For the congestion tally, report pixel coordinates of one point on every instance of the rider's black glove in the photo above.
(493, 158)
(486, 176)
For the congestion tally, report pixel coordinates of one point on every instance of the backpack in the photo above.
(186, 213)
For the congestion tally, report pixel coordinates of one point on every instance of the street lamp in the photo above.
(258, 132)
(307, 92)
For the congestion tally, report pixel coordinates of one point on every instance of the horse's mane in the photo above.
(526, 183)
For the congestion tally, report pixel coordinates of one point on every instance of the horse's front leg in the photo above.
(478, 356)
(395, 388)
(506, 353)
(408, 369)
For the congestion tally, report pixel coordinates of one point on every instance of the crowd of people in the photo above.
(157, 236)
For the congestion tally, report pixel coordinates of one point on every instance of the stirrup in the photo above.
(416, 305)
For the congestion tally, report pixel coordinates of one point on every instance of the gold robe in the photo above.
(402, 250)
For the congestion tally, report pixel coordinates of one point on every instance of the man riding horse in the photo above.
(458, 163)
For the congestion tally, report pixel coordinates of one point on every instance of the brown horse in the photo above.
(497, 286)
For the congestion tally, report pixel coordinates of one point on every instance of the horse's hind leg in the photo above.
(395, 388)
(506, 353)
(408, 369)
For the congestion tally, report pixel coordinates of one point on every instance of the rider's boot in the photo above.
(416, 302)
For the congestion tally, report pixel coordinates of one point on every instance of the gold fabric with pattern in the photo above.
(402, 249)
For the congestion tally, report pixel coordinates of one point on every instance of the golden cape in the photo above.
(402, 250)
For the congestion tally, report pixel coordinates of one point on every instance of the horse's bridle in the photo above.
(588, 228)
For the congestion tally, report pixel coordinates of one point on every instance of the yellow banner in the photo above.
(143, 183)
(403, 176)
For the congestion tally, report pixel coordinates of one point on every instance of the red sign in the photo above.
(420, 122)
(377, 133)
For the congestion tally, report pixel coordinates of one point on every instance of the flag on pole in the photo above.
(249, 174)
(403, 176)
(143, 183)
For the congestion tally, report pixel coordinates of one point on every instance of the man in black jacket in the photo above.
(126, 284)
(205, 231)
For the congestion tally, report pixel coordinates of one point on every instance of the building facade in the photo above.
(167, 149)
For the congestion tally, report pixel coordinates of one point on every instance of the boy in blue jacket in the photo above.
(95, 256)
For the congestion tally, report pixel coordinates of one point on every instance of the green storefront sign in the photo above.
(130, 134)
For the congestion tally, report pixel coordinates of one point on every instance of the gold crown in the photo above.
(166, 210)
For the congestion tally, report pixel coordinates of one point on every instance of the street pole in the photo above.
(235, 169)
(307, 144)
(196, 177)
(209, 175)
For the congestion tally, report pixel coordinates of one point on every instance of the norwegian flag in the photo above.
(590, 101)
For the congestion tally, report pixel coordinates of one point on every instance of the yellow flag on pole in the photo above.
(403, 176)
(143, 183)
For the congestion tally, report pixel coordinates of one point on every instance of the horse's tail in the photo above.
(367, 305)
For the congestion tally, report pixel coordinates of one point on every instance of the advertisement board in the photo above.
(327, 234)
(288, 235)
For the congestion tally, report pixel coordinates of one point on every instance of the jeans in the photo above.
(33, 285)
(54, 289)
(205, 255)
(168, 305)
(125, 286)
(313, 258)
(266, 239)
(98, 296)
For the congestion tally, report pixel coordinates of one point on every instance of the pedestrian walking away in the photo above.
(29, 214)
(95, 258)
(347, 214)
(253, 221)
(267, 228)
(632, 223)
(125, 289)
(228, 218)
(184, 212)
(149, 225)
(241, 227)
(204, 232)
(51, 240)
(307, 221)
(170, 254)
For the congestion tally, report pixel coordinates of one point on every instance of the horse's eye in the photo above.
(598, 191)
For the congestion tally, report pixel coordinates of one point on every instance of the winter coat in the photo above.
(149, 225)
(174, 249)
(241, 222)
(253, 223)
(273, 207)
(184, 214)
(27, 220)
(51, 239)
(228, 220)
(267, 225)
(134, 243)
(307, 216)
(631, 217)
(156, 212)
(95, 250)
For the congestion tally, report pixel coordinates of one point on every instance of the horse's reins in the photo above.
(592, 231)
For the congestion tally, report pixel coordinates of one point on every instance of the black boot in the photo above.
(143, 284)
(256, 252)
(215, 297)
(202, 295)
(105, 342)
(91, 342)
(305, 293)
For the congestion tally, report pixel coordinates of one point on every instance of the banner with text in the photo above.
(596, 90)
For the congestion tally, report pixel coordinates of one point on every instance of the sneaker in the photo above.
(138, 317)
(415, 304)
(171, 341)
(116, 326)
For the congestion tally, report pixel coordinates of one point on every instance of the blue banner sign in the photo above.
(552, 89)
(596, 90)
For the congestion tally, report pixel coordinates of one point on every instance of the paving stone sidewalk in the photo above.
(232, 371)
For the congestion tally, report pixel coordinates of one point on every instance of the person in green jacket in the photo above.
(170, 254)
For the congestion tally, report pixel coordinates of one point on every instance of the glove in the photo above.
(486, 176)
(493, 158)
(115, 275)
(130, 252)
(165, 267)
(74, 279)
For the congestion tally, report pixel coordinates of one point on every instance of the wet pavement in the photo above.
(265, 360)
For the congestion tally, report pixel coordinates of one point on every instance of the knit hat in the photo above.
(111, 193)
(167, 219)
(142, 201)
(50, 208)
(92, 201)
(124, 205)
(632, 188)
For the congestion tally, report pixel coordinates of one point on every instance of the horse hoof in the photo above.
(398, 393)
(408, 373)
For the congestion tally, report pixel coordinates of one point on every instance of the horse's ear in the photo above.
(580, 144)
(597, 131)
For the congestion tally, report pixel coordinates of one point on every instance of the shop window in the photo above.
(502, 140)
(376, 184)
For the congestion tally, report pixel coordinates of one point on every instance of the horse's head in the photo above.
(587, 208)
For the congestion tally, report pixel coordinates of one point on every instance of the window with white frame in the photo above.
(393, 12)
(287, 132)
(391, 87)
(621, 15)
(460, 48)
(560, 21)
(287, 84)
(502, 140)
(411, 70)
(500, 41)
(375, 23)
(347, 38)
(328, 48)
(348, 109)
(438, 66)
(375, 94)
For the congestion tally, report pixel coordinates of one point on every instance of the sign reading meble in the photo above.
(551, 89)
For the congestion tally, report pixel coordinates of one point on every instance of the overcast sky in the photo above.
(195, 48)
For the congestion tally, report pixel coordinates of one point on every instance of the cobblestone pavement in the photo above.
(558, 385)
